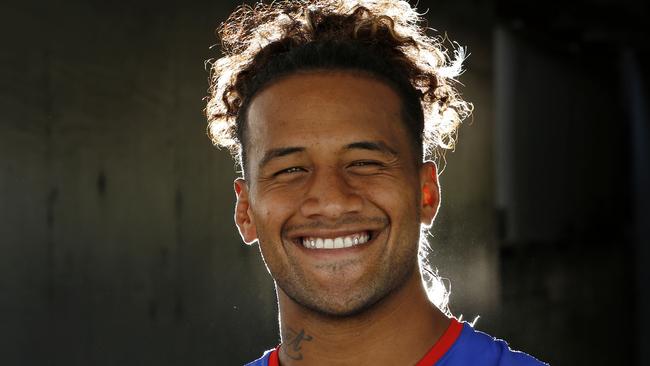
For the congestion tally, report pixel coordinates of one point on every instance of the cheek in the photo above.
(271, 214)
(272, 210)
(393, 196)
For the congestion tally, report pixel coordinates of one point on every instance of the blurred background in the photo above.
(117, 244)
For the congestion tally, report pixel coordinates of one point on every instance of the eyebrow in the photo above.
(279, 152)
(378, 146)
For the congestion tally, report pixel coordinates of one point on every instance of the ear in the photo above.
(430, 201)
(243, 216)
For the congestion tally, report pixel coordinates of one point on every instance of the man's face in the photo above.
(333, 192)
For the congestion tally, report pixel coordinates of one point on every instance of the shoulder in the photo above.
(262, 361)
(477, 348)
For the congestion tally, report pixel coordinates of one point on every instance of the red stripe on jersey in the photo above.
(443, 344)
(273, 358)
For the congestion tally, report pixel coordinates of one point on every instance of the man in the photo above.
(332, 108)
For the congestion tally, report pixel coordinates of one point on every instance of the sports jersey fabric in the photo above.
(460, 345)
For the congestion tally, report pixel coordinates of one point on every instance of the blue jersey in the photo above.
(461, 345)
(479, 349)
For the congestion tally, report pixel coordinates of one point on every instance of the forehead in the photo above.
(324, 109)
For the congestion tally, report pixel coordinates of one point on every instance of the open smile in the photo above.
(338, 242)
(325, 240)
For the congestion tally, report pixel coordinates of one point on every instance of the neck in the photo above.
(398, 330)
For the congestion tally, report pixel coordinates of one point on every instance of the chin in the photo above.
(342, 304)
(345, 309)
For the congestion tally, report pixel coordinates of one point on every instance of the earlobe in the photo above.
(430, 193)
(243, 217)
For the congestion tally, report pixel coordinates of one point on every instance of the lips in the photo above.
(338, 242)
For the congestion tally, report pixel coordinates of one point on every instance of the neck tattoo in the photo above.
(293, 345)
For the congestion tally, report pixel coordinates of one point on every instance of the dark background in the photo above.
(117, 245)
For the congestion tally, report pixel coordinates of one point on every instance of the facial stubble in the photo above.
(395, 269)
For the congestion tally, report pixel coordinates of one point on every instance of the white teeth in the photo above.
(335, 243)
(338, 243)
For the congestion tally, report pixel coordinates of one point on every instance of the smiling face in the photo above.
(333, 192)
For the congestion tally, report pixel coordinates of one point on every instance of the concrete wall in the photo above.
(117, 238)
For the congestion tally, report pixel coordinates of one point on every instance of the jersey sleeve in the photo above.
(479, 349)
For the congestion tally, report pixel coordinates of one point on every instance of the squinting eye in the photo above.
(293, 169)
(365, 163)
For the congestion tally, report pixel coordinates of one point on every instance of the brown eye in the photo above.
(292, 170)
(366, 167)
(365, 163)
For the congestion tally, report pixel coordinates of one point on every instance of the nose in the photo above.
(329, 195)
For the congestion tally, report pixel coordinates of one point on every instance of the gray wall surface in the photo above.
(116, 232)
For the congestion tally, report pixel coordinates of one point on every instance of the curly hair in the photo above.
(384, 39)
